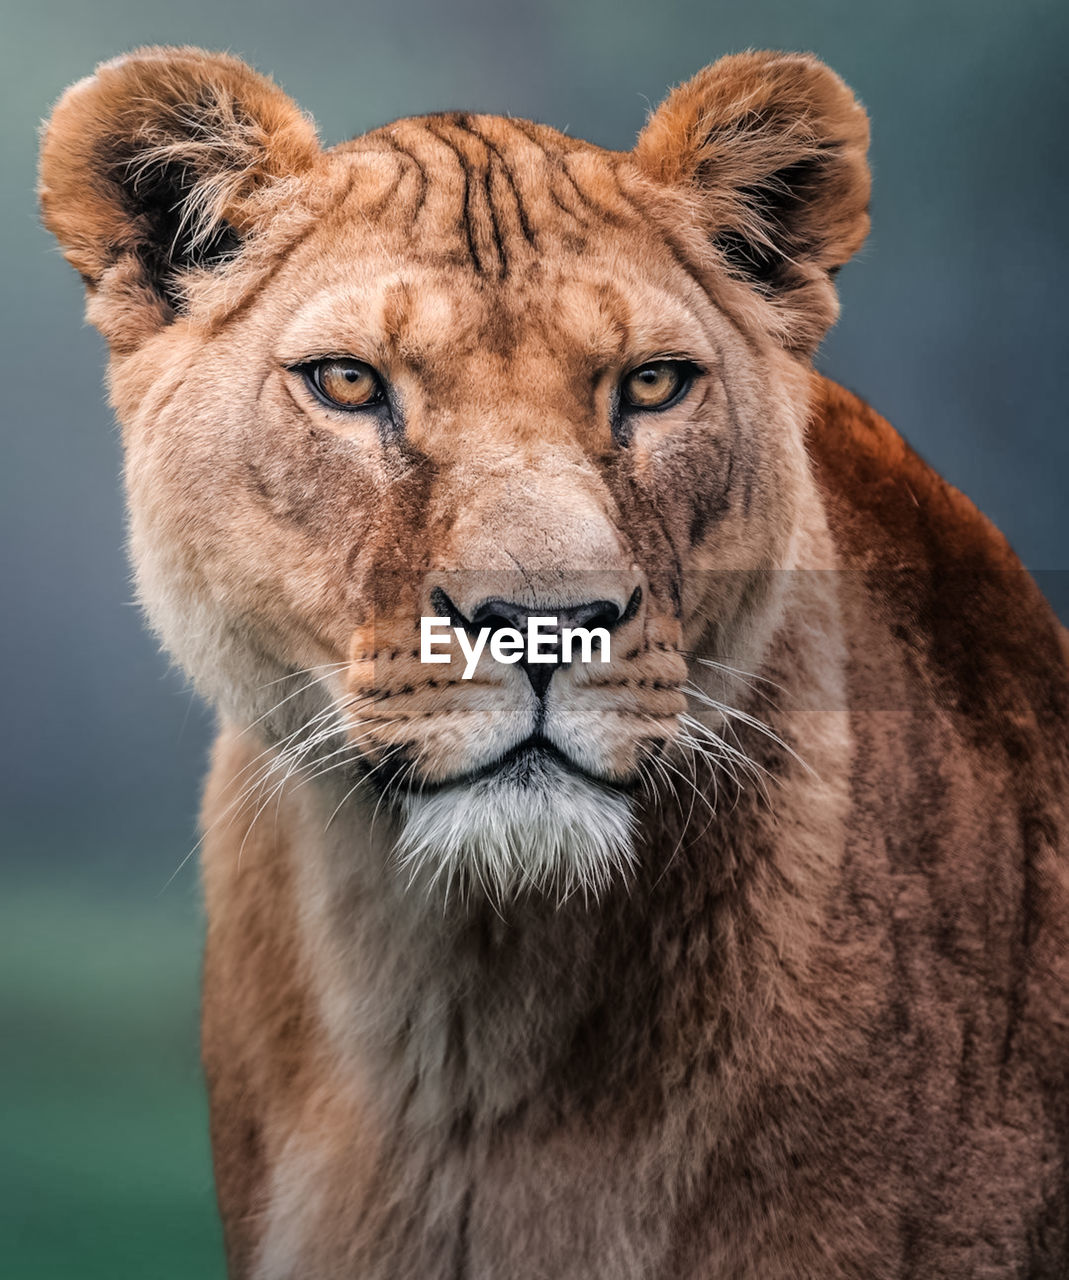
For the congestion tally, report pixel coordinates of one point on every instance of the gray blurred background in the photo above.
(953, 326)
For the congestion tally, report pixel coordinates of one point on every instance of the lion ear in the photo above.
(771, 147)
(151, 167)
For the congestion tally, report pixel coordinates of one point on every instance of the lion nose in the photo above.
(495, 615)
(498, 614)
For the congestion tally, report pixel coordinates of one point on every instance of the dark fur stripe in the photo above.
(419, 167)
(435, 131)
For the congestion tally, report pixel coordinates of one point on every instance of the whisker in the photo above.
(304, 671)
(744, 717)
(745, 676)
(390, 752)
(257, 773)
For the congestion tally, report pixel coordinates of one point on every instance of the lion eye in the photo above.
(657, 384)
(346, 383)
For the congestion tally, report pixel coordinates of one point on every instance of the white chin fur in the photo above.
(550, 832)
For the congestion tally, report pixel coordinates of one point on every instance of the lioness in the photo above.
(743, 954)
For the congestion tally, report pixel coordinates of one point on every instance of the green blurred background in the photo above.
(953, 325)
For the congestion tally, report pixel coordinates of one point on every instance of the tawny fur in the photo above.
(813, 1020)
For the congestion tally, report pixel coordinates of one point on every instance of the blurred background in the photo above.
(953, 326)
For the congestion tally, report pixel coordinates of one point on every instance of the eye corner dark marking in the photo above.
(620, 425)
(632, 607)
(256, 481)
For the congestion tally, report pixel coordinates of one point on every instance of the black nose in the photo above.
(499, 614)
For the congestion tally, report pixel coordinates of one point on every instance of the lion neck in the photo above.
(446, 1010)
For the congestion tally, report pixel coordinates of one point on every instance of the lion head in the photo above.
(462, 364)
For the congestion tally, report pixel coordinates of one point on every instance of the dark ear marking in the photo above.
(158, 196)
(769, 150)
(773, 206)
(159, 165)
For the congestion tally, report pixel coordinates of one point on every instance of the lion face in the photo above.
(461, 365)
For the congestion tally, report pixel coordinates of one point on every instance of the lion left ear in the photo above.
(772, 147)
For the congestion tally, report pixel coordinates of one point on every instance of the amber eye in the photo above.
(654, 385)
(345, 383)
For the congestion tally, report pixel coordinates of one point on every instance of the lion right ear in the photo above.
(150, 170)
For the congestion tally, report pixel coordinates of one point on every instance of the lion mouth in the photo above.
(535, 763)
(531, 819)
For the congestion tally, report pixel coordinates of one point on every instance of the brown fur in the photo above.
(818, 1027)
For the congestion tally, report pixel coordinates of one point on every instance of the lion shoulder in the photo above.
(938, 591)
